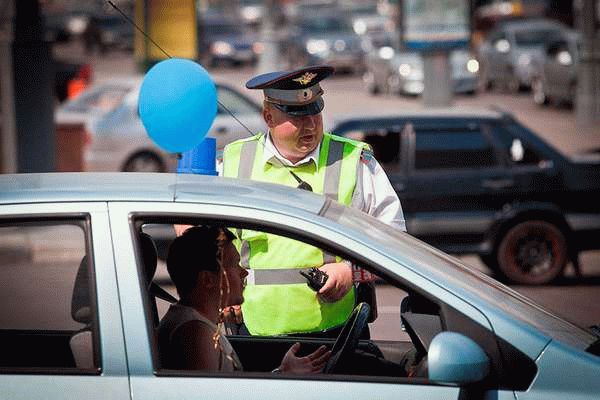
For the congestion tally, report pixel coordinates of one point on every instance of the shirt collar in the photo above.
(270, 153)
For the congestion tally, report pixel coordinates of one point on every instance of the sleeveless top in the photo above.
(178, 315)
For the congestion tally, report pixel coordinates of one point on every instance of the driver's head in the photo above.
(206, 252)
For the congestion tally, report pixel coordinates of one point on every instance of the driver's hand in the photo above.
(310, 364)
(338, 283)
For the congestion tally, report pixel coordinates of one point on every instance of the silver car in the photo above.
(555, 78)
(326, 38)
(117, 140)
(510, 52)
(401, 72)
(82, 296)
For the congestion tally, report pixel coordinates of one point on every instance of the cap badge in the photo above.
(305, 95)
(305, 79)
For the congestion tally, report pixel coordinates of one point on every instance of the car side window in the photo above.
(452, 149)
(48, 314)
(385, 142)
(234, 103)
(516, 151)
(385, 348)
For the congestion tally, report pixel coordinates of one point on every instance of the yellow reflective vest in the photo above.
(278, 301)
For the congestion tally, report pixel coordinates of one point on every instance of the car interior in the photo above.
(401, 357)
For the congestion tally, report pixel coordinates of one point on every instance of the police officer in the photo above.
(296, 152)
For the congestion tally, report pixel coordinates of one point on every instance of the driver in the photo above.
(204, 266)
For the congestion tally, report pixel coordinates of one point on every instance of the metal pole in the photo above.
(8, 129)
(437, 91)
(269, 59)
(588, 86)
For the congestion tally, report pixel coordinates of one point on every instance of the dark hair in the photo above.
(197, 249)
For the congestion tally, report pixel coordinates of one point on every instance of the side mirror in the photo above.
(455, 358)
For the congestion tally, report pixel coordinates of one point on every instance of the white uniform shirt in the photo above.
(373, 193)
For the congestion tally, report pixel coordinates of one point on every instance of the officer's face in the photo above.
(294, 137)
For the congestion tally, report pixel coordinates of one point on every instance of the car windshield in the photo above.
(444, 268)
(324, 25)
(534, 38)
(100, 101)
(224, 29)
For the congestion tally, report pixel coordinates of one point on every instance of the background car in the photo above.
(401, 72)
(225, 40)
(78, 276)
(508, 53)
(117, 139)
(325, 38)
(478, 182)
(555, 78)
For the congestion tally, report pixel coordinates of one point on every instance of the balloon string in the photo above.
(303, 185)
(168, 55)
(137, 27)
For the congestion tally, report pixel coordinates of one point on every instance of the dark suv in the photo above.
(477, 181)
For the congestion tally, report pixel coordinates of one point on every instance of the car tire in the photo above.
(539, 92)
(371, 85)
(144, 162)
(532, 253)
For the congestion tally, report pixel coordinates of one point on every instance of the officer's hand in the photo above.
(310, 364)
(338, 283)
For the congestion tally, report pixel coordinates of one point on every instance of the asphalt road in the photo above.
(575, 299)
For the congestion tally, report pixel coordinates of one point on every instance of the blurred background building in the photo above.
(60, 42)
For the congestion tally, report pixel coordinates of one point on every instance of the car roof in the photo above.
(426, 113)
(144, 187)
(531, 24)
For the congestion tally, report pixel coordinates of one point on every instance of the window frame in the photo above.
(453, 126)
(82, 220)
(175, 215)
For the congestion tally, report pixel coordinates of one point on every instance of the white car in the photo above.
(117, 140)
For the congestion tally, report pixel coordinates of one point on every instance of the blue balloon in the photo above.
(177, 104)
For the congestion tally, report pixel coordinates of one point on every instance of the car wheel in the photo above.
(369, 80)
(513, 85)
(144, 162)
(532, 253)
(539, 92)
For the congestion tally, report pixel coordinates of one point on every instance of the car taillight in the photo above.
(85, 73)
(87, 138)
(75, 86)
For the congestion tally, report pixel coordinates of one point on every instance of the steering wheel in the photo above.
(347, 341)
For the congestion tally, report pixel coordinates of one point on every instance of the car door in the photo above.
(60, 327)
(498, 56)
(149, 382)
(556, 69)
(455, 183)
(536, 176)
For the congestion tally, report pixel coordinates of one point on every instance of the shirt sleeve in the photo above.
(375, 195)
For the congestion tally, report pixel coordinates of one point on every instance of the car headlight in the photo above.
(339, 45)
(404, 70)
(473, 66)
(524, 60)
(221, 48)
(360, 27)
(258, 47)
(317, 46)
